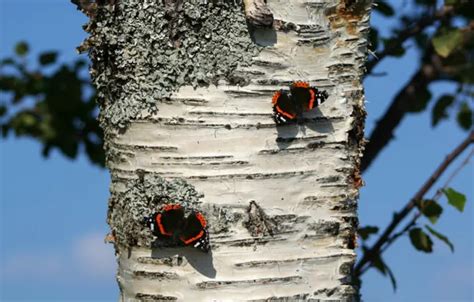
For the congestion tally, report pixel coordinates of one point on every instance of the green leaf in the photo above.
(366, 231)
(392, 278)
(3, 110)
(394, 47)
(5, 129)
(454, 2)
(431, 209)
(420, 100)
(380, 265)
(426, 2)
(374, 38)
(466, 73)
(79, 64)
(422, 40)
(456, 199)
(420, 240)
(439, 109)
(21, 48)
(383, 8)
(464, 116)
(440, 237)
(47, 58)
(95, 150)
(447, 41)
(69, 148)
(465, 8)
(7, 61)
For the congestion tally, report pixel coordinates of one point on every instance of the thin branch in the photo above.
(415, 218)
(391, 240)
(406, 34)
(369, 255)
(456, 171)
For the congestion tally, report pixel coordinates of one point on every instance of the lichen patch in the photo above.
(142, 197)
(142, 55)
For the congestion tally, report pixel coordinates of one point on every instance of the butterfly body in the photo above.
(172, 223)
(289, 105)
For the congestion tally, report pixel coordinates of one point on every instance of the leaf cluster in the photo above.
(442, 32)
(51, 103)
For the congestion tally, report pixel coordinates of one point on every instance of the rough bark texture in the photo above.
(281, 201)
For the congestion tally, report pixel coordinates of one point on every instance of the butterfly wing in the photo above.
(169, 220)
(302, 96)
(194, 232)
(284, 110)
(320, 96)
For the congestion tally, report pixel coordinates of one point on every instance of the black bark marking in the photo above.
(318, 260)
(177, 158)
(247, 241)
(168, 261)
(152, 298)
(156, 275)
(258, 223)
(200, 164)
(143, 147)
(254, 175)
(218, 284)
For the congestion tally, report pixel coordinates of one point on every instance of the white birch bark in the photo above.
(222, 140)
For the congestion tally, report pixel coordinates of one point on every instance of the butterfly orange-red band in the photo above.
(291, 116)
(160, 226)
(169, 207)
(275, 97)
(312, 99)
(201, 233)
(300, 84)
(201, 219)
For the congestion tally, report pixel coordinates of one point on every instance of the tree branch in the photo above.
(433, 68)
(409, 94)
(371, 253)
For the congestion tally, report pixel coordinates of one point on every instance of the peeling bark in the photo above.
(258, 13)
(280, 201)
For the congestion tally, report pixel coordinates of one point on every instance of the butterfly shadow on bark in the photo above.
(297, 131)
(178, 256)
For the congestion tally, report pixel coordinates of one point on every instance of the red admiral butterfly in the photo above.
(171, 222)
(288, 105)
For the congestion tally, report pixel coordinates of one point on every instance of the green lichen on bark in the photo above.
(142, 197)
(142, 51)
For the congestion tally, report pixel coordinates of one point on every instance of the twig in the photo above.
(391, 240)
(375, 250)
(403, 231)
(436, 197)
(413, 221)
(453, 175)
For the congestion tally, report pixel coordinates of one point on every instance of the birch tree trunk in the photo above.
(185, 91)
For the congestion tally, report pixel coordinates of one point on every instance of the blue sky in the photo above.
(53, 210)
